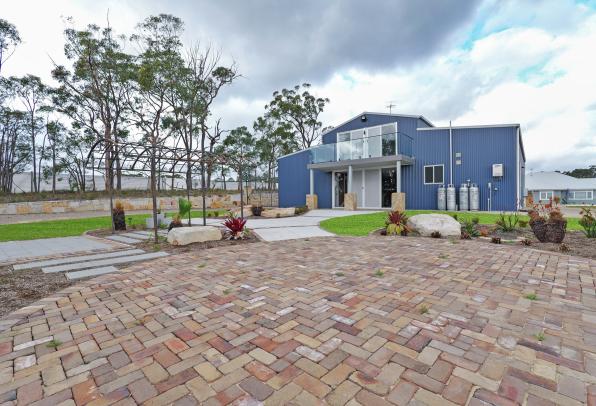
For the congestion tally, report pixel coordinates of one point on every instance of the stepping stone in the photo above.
(70, 260)
(140, 237)
(104, 262)
(90, 272)
(126, 240)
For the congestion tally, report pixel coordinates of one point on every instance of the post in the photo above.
(350, 179)
(398, 177)
(312, 182)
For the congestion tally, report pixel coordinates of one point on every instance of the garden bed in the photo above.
(21, 288)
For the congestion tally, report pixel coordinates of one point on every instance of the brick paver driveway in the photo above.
(336, 320)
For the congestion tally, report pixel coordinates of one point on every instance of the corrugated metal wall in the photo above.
(294, 181)
(480, 148)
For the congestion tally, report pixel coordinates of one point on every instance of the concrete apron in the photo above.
(291, 228)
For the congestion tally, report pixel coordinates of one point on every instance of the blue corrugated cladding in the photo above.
(294, 181)
(480, 148)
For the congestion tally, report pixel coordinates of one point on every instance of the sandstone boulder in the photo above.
(279, 212)
(426, 224)
(189, 235)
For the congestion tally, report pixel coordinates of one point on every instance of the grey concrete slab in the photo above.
(104, 262)
(12, 251)
(90, 272)
(81, 258)
(125, 240)
(303, 226)
(140, 237)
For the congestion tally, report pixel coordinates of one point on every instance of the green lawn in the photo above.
(363, 224)
(65, 228)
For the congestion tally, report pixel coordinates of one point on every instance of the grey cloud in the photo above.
(281, 43)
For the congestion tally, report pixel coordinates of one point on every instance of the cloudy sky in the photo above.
(472, 62)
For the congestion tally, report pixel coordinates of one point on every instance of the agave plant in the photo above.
(235, 226)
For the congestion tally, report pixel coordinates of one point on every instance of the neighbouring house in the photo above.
(545, 186)
(374, 160)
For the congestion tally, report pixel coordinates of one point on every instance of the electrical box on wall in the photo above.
(497, 170)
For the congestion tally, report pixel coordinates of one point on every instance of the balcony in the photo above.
(370, 148)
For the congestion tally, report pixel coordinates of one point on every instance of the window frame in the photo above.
(587, 192)
(546, 192)
(434, 180)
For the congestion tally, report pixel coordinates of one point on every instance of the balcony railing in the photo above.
(361, 148)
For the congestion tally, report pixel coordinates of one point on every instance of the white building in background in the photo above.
(22, 183)
(545, 186)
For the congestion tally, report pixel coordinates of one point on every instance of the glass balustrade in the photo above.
(363, 147)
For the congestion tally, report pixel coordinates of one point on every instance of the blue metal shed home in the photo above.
(375, 155)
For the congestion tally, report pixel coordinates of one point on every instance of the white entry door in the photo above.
(372, 188)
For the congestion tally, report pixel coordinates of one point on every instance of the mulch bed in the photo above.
(163, 245)
(21, 288)
(575, 241)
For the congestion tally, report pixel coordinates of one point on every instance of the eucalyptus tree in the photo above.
(33, 95)
(92, 91)
(154, 74)
(15, 150)
(9, 40)
(198, 85)
(299, 109)
(55, 134)
(77, 144)
(275, 139)
(239, 150)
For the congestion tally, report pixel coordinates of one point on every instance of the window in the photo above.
(433, 174)
(581, 195)
(546, 195)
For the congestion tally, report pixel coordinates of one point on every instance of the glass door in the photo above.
(340, 188)
(388, 185)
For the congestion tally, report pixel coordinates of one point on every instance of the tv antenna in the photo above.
(390, 106)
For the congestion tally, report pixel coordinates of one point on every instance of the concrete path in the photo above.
(290, 228)
(16, 250)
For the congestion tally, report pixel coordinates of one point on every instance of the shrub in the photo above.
(235, 226)
(588, 222)
(118, 216)
(397, 223)
(547, 222)
(256, 209)
(300, 210)
(435, 234)
(469, 228)
(507, 222)
(495, 240)
(475, 220)
(484, 231)
(184, 207)
(522, 223)
(216, 213)
(526, 241)
(465, 235)
(176, 222)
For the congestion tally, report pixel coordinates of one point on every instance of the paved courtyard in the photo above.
(339, 320)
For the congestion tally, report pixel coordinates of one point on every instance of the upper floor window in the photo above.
(581, 195)
(546, 195)
(433, 174)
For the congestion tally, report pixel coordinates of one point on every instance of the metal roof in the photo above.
(557, 181)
